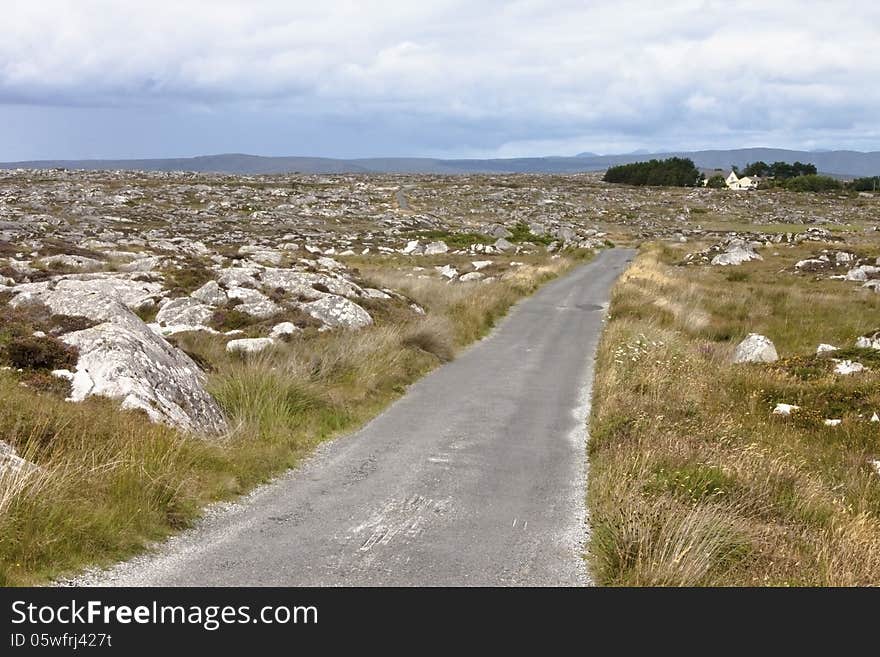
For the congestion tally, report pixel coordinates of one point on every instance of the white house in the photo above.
(746, 182)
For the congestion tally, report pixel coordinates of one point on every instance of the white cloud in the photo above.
(549, 72)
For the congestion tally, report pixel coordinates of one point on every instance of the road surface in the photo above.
(475, 477)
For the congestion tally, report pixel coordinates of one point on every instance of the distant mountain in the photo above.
(841, 163)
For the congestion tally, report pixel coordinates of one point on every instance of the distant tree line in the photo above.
(672, 172)
(779, 170)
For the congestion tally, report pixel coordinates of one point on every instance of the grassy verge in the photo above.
(110, 482)
(693, 480)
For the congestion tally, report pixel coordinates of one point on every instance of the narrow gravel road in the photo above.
(475, 477)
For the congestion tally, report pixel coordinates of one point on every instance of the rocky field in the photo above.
(172, 339)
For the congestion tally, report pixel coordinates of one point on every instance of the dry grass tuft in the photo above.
(692, 480)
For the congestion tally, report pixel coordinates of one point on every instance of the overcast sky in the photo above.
(349, 78)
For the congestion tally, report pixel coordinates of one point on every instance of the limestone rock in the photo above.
(123, 359)
(184, 310)
(254, 303)
(338, 312)
(436, 248)
(211, 294)
(755, 349)
(284, 330)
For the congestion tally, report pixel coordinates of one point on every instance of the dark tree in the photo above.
(673, 172)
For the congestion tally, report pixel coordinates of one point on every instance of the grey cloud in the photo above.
(449, 76)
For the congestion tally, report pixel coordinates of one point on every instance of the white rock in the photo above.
(338, 312)
(284, 330)
(869, 341)
(811, 264)
(857, 274)
(253, 303)
(239, 277)
(411, 247)
(373, 293)
(436, 248)
(123, 359)
(736, 255)
(87, 297)
(447, 271)
(471, 277)
(832, 423)
(875, 418)
(755, 349)
(184, 310)
(143, 264)
(12, 464)
(845, 367)
(481, 264)
(303, 284)
(784, 409)
(501, 244)
(330, 263)
(74, 261)
(211, 294)
(249, 345)
(825, 348)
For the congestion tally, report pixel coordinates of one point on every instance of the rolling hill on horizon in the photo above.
(840, 162)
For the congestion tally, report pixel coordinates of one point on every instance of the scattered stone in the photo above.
(825, 348)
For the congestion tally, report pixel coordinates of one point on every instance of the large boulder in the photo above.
(755, 349)
(338, 312)
(123, 359)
